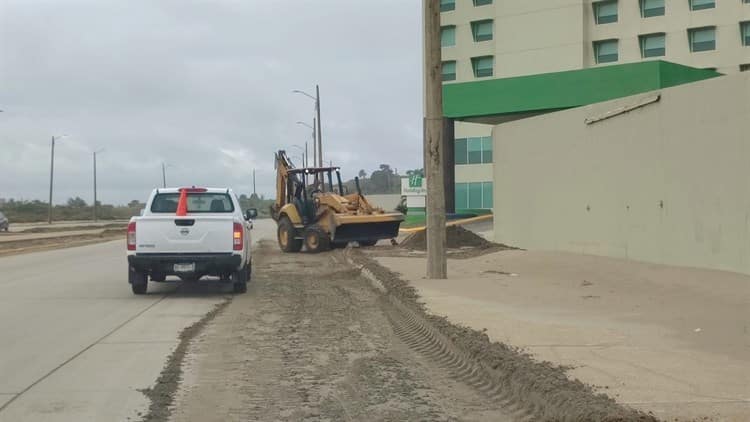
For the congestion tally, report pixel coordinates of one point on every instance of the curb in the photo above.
(450, 223)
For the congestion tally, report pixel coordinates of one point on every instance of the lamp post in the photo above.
(319, 137)
(95, 201)
(164, 167)
(313, 139)
(52, 175)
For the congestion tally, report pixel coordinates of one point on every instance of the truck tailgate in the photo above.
(190, 234)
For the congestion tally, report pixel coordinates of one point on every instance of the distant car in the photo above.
(4, 223)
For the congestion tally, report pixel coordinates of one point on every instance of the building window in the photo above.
(605, 51)
(745, 67)
(476, 150)
(449, 71)
(482, 2)
(702, 4)
(474, 196)
(702, 39)
(447, 36)
(653, 45)
(605, 11)
(483, 66)
(447, 5)
(482, 30)
(487, 150)
(459, 148)
(651, 8)
(745, 33)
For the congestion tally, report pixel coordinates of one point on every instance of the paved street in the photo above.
(77, 345)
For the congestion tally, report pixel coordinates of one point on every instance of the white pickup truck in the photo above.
(190, 233)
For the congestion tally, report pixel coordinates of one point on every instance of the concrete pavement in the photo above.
(77, 345)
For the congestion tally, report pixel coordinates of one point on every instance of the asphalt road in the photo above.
(76, 344)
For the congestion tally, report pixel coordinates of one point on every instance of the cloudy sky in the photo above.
(204, 85)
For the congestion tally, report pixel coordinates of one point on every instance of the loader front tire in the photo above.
(285, 234)
(316, 239)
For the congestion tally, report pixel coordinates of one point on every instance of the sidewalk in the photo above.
(674, 341)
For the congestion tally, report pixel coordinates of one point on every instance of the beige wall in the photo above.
(668, 182)
(388, 202)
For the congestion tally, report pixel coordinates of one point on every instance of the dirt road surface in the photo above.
(314, 341)
(316, 338)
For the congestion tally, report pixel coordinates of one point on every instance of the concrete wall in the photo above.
(386, 202)
(668, 182)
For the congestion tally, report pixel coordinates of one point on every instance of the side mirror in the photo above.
(251, 214)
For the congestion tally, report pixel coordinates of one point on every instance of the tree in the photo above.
(362, 174)
(76, 202)
(135, 204)
(415, 172)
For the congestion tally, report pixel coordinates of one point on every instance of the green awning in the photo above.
(498, 100)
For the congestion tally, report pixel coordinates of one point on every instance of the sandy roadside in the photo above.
(669, 340)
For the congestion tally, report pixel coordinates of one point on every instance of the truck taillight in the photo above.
(238, 237)
(131, 236)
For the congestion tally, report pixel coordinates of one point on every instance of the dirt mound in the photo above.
(456, 237)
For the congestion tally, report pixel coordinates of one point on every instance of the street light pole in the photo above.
(315, 159)
(316, 124)
(51, 176)
(163, 175)
(95, 200)
(315, 143)
(320, 130)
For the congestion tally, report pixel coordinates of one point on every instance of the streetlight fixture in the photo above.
(317, 116)
(51, 175)
(95, 201)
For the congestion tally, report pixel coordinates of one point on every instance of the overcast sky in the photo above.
(204, 85)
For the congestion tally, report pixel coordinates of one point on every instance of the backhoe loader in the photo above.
(310, 210)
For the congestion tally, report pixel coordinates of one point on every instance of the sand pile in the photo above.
(456, 237)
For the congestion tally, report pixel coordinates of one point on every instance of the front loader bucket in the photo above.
(357, 232)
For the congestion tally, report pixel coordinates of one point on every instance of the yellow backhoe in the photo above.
(309, 211)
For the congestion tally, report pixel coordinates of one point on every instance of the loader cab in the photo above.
(306, 183)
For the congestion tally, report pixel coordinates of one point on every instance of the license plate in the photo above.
(184, 268)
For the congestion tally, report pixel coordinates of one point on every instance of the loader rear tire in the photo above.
(285, 234)
(316, 239)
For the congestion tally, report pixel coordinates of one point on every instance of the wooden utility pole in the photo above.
(320, 128)
(437, 267)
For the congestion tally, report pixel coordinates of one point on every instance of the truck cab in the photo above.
(190, 233)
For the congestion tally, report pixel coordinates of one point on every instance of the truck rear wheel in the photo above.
(239, 280)
(316, 239)
(285, 234)
(138, 281)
